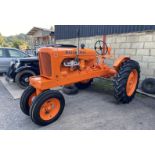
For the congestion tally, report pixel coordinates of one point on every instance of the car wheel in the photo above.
(22, 78)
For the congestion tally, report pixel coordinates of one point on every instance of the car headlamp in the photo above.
(17, 64)
(12, 62)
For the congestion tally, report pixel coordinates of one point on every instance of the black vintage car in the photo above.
(21, 69)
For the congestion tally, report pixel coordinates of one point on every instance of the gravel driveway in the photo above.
(93, 108)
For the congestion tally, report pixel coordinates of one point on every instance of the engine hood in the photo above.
(28, 59)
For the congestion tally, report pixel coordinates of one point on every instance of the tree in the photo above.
(20, 44)
(1, 40)
(16, 43)
(19, 41)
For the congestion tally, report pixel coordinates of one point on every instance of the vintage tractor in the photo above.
(62, 65)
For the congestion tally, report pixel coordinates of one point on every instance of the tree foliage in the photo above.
(1, 40)
(19, 41)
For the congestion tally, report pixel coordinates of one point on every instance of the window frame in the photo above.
(4, 53)
(21, 54)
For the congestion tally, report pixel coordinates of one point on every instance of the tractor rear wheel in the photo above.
(126, 81)
(26, 99)
(84, 84)
(47, 107)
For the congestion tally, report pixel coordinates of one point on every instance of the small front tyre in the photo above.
(26, 99)
(47, 107)
(126, 81)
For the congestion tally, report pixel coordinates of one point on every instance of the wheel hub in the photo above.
(49, 109)
(26, 79)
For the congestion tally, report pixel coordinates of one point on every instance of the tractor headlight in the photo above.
(17, 64)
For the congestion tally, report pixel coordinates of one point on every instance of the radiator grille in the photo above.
(45, 64)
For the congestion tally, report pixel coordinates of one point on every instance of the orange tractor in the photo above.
(66, 65)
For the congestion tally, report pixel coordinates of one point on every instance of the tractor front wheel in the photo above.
(126, 81)
(47, 107)
(84, 84)
(26, 99)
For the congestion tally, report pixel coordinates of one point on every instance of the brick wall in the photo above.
(139, 46)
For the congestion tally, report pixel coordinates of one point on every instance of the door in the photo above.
(4, 60)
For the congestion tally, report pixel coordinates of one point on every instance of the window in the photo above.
(1, 53)
(16, 54)
(23, 54)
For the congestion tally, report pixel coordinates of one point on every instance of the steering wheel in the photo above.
(101, 47)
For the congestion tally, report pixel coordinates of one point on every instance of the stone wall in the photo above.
(139, 46)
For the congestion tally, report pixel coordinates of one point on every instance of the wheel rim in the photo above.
(31, 98)
(132, 82)
(49, 109)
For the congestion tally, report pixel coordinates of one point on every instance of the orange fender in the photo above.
(119, 62)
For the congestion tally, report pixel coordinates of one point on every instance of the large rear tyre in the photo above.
(47, 107)
(126, 81)
(84, 84)
(26, 99)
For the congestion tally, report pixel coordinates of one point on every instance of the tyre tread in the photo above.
(24, 99)
(120, 81)
(38, 102)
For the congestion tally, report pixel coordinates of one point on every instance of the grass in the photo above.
(103, 83)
